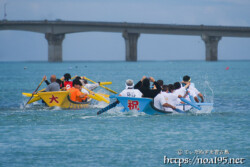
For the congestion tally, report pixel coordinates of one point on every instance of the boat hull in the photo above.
(61, 99)
(141, 105)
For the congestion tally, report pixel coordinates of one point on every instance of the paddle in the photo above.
(179, 111)
(108, 107)
(105, 83)
(34, 91)
(101, 85)
(190, 103)
(104, 95)
(96, 96)
(29, 94)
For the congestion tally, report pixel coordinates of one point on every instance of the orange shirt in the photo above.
(74, 94)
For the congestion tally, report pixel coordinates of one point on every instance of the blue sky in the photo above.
(28, 46)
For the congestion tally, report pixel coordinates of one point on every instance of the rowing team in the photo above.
(79, 88)
(166, 97)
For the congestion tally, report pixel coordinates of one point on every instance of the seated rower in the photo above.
(53, 86)
(129, 90)
(180, 91)
(88, 85)
(192, 89)
(57, 80)
(160, 83)
(66, 81)
(75, 92)
(144, 86)
(170, 97)
(161, 103)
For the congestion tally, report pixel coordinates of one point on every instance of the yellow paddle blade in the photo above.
(29, 94)
(101, 86)
(104, 95)
(94, 97)
(42, 90)
(35, 98)
(105, 83)
(97, 96)
(103, 99)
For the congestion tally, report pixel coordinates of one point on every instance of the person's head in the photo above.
(52, 78)
(171, 88)
(164, 88)
(85, 81)
(177, 85)
(129, 84)
(186, 78)
(160, 82)
(67, 77)
(77, 84)
(146, 83)
(79, 78)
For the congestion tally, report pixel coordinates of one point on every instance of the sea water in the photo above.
(41, 136)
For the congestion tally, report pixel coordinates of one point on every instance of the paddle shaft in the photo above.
(98, 96)
(34, 91)
(108, 107)
(101, 85)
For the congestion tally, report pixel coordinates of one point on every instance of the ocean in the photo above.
(41, 136)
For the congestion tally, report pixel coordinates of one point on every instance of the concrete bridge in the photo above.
(55, 33)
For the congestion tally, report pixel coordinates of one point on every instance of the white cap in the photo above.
(129, 84)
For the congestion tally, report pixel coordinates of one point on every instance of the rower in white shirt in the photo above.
(129, 90)
(191, 89)
(170, 97)
(180, 91)
(160, 101)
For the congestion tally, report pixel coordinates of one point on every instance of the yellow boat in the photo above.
(61, 99)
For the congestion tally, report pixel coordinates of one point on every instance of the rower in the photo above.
(144, 86)
(160, 101)
(180, 91)
(170, 97)
(129, 90)
(53, 86)
(192, 89)
(75, 92)
(57, 80)
(66, 81)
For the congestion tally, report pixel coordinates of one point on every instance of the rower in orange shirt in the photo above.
(75, 92)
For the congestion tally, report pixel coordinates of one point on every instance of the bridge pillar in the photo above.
(55, 46)
(211, 43)
(131, 45)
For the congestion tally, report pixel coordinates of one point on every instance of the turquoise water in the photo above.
(39, 136)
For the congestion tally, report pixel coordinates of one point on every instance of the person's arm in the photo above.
(47, 82)
(201, 96)
(187, 85)
(138, 85)
(169, 105)
(82, 95)
(92, 86)
(45, 79)
(157, 90)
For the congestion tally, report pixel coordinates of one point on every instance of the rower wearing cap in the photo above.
(129, 90)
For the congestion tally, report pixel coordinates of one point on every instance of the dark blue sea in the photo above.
(41, 136)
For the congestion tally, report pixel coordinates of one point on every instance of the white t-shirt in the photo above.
(159, 100)
(84, 91)
(181, 91)
(91, 86)
(193, 91)
(131, 93)
(171, 99)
